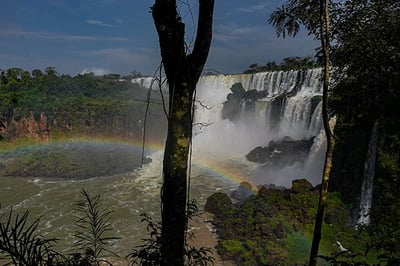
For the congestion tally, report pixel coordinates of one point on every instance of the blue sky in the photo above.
(118, 36)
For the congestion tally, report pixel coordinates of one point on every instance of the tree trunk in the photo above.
(182, 71)
(324, 21)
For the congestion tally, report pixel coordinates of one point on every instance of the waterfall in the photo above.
(295, 115)
(274, 105)
(368, 178)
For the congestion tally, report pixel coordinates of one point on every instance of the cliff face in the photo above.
(41, 127)
(28, 127)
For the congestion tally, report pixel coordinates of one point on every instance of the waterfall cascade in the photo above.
(236, 113)
(368, 178)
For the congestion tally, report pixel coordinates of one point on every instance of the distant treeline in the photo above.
(288, 63)
(84, 103)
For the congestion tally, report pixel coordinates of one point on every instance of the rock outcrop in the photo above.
(280, 153)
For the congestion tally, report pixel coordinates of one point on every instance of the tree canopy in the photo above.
(365, 55)
(85, 103)
(365, 50)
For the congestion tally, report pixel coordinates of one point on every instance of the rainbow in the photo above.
(212, 167)
(215, 168)
(221, 170)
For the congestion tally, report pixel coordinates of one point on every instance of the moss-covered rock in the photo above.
(301, 186)
(272, 226)
(218, 203)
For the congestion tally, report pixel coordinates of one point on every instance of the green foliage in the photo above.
(219, 204)
(365, 51)
(85, 103)
(148, 253)
(366, 57)
(365, 34)
(288, 63)
(275, 227)
(293, 14)
(298, 247)
(235, 248)
(68, 159)
(385, 228)
(20, 243)
(94, 228)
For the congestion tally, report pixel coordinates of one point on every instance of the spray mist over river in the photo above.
(128, 195)
(267, 110)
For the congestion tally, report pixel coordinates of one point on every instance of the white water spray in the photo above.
(297, 115)
(368, 178)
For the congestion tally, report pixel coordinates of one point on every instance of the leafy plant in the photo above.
(93, 236)
(149, 254)
(20, 243)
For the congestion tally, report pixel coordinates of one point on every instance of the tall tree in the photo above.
(365, 53)
(287, 21)
(182, 70)
(324, 37)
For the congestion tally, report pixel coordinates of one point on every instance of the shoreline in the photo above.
(204, 236)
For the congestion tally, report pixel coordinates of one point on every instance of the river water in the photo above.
(219, 164)
(127, 195)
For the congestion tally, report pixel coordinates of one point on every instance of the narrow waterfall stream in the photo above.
(368, 178)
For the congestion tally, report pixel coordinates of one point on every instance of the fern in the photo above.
(94, 227)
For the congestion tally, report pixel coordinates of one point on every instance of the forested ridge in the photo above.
(51, 103)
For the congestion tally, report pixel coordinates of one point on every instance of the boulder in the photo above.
(243, 191)
(284, 152)
(240, 98)
(218, 203)
(301, 186)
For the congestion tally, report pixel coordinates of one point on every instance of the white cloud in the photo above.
(120, 60)
(262, 7)
(60, 36)
(96, 70)
(46, 35)
(229, 33)
(116, 53)
(99, 23)
(252, 9)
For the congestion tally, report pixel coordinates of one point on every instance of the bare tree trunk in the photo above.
(182, 71)
(324, 20)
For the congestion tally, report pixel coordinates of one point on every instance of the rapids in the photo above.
(127, 195)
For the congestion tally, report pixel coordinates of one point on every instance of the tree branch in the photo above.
(171, 33)
(202, 43)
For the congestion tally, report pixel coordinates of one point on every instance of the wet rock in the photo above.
(240, 98)
(242, 192)
(281, 153)
(218, 203)
(301, 186)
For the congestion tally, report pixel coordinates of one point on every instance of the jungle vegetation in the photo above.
(84, 104)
